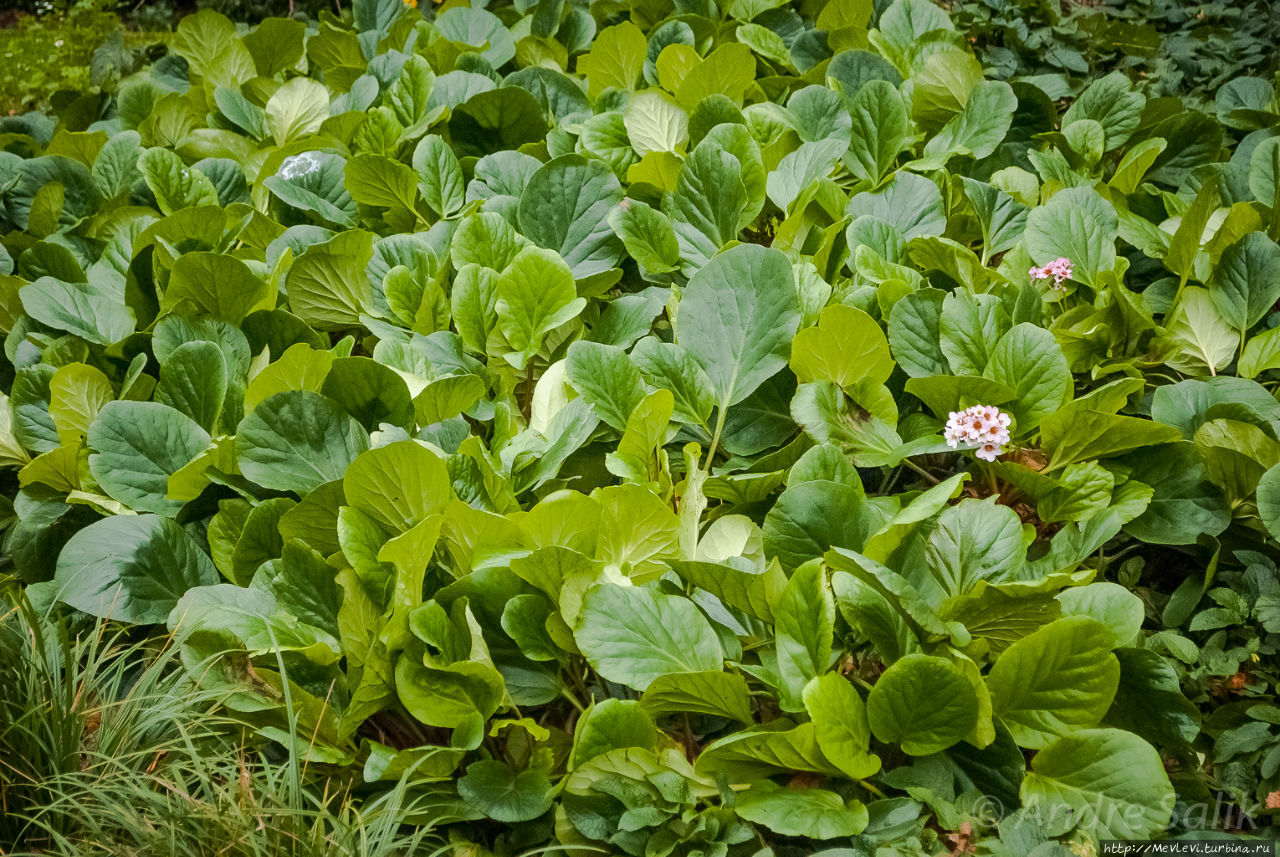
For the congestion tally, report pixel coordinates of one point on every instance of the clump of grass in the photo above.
(108, 748)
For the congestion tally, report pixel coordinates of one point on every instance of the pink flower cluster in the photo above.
(1059, 269)
(981, 427)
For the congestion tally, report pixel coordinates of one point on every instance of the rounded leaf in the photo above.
(131, 568)
(924, 703)
(297, 441)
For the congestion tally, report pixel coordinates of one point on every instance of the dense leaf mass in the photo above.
(643, 428)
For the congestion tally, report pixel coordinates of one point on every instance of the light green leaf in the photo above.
(612, 724)
(1261, 354)
(812, 813)
(1112, 780)
(1111, 604)
(378, 180)
(399, 485)
(804, 617)
(880, 130)
(719, 694)
(924, 703)
(77, 393)
(327, 285)
(1269, 500)
(535, 295)
(846, 347)
(439, 176)
(634, 635)
(728, 70)
(1055, 681)
(1135, 163)
(297, 109)
(616, 58)
(1201, 340)
(208, 41)
(799, 169)
(655, 123)
(840, 725)
(607, 379)
(216, 284)
(647, 234)
(979, 128)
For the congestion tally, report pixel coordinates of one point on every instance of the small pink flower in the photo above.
(989, 451)
(1060, 269)
(982, 427)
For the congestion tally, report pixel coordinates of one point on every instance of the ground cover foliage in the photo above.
(640, 429)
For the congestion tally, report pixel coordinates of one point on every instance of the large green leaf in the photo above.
(504, 795)
(315, 181)
(719, 694)
(221, 286)
(253, 619)
(634, 635)
(138, 446)
(1079, 224)
(737, 319)
(297, 109)
(708, 203)
(175, 185)
(813, 813)
(804, 616)
(131, 568)
(1246, 280)
(94, 312)
(812, 517)
(1029, 361)
(327, 284)
(840, 725)
(924, 703)
(297, 441)
(399, 485)
(607, 379)
(565, 207)
(846, 346)
(979, 128)
(1055, 681)
(480, 29)
(195, 381)
(1112, 780)
(909, 202)
(880, 130)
